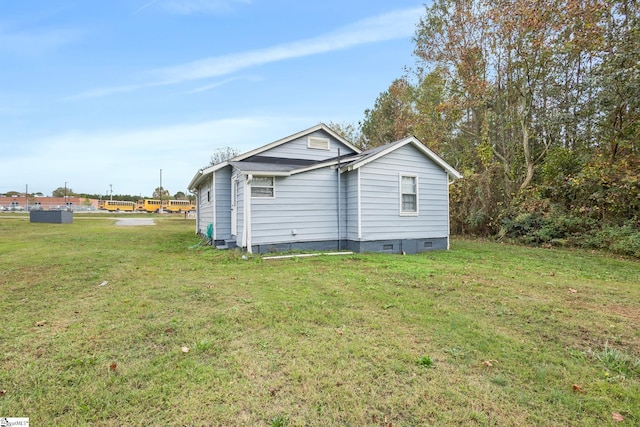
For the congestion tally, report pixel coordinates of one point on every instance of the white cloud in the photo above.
(187, 7)
(34, 42)
(389, 26)
(130, 159)
(222, 83)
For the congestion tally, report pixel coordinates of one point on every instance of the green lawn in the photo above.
(484, 334)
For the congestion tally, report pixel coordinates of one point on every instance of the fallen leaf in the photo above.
(552, 274)
(113, 367)
(272, 392)
(104, 283)
(488, 363)
(41, 323)
(185, 349)
(339, 331)
(169, 330)
(572, 291)
(617, 417)
(578, 388)
(3, 392)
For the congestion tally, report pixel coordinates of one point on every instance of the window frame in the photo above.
(401, 193)
(272, 187)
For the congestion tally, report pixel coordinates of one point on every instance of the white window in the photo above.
(408, 194)
(318, 143)
(263, 187)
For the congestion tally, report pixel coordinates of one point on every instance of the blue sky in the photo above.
(101, 93)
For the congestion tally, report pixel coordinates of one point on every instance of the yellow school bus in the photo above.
(117, 206)
(179, 206)
(153, 205)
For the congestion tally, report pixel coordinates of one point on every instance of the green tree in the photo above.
(62, 192)
(392, 116)
(618, 76)
(349, 131)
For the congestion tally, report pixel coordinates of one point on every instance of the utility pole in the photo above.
(65, 195)
(160, 209)
(110, 191)
(26, 197)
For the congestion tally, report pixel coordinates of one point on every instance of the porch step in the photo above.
(228, 244)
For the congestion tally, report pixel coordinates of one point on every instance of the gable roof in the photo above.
(265, 167)
(373, 154)
(320, 126)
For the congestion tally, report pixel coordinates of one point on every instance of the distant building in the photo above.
(20, 203)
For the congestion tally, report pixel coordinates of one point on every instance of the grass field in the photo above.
(484, 334)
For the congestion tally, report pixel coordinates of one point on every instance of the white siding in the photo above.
(223, 203)
(351, 185)
(305, 204)
(205, 206)
(297, 149)
(239, 204)
(379, 181)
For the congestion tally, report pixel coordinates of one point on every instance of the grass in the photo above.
(484, 334)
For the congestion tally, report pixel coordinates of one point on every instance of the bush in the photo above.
(535, 228)
(623, 240)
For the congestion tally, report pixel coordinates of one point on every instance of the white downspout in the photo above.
(448, 211)
(359, 206)
(215, 202)
(197, 194)
(339, 205)
(246, 236)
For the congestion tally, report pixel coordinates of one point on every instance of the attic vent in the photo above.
(318, 143)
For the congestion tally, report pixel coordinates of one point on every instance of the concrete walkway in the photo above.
(132, 222)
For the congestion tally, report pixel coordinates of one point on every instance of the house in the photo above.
(314, 190)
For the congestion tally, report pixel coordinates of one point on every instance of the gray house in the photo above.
(316, 191)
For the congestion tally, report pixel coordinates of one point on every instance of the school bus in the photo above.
(180, 206)
(117, 205)
(149, 205)
(153, 205)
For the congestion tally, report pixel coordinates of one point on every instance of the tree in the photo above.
(536, 102)
(63, 192)
(161, 193)
(223, 154)
(618, 75)
(392, 116)
(179, 196)
(350, 132)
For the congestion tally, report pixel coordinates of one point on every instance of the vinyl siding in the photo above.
(239, 204)
(297, 149)
(205, 207)
(305, 204)
(380, 185)
(351, 186)
(223, 203)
